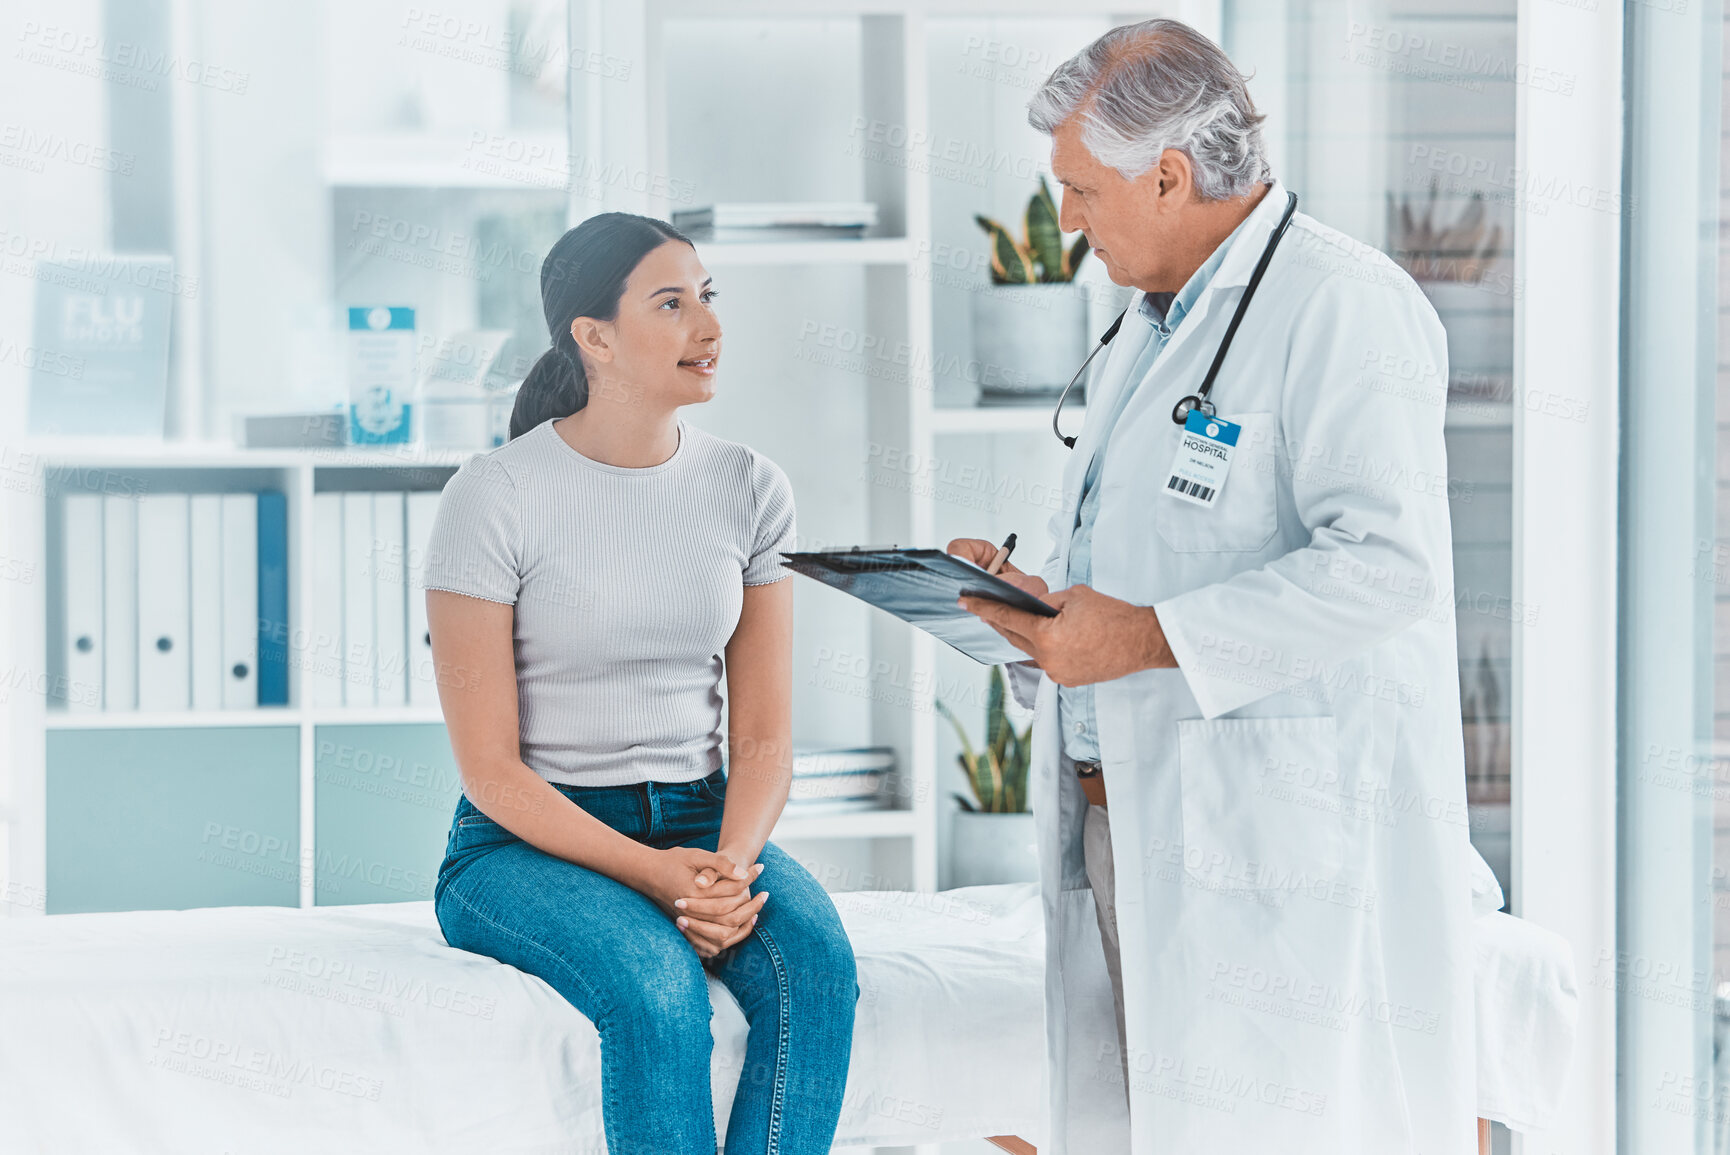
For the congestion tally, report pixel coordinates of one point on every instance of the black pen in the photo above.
(1003, 552)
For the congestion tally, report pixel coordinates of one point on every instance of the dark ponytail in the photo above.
(583, 276)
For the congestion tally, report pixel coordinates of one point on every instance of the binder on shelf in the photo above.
(390, 606)
(422, 683)
(204, 511)
(239, 601)
(321, 667)
(359, 642)
(271, 637)
(119, 602)
(81, 562)
(164, 655)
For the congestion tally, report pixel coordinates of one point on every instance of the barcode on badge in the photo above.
(1191, 489)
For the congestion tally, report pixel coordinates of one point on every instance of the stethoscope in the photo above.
(1197, 400)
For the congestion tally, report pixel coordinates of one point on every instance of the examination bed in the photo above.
(357, 1029)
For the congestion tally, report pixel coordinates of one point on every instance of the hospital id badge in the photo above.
(1203, 458)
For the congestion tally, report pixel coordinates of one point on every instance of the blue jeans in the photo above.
(617, 957)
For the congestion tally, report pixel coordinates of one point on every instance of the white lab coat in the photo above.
(1287, 807)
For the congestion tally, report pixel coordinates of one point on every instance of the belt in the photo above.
(1092, 782)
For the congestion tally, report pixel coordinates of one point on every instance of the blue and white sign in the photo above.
(99, 361)
(381, 361)
(1203, 459)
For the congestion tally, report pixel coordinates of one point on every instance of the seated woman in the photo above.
(583, 583)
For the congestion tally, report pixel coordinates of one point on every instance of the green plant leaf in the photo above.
(996, 725)
(982, 784)
(960, 731)
(1024, 762)
(1072, 259)
(1044, 238)
(968, 758)
(1016, 759)
(1011, 264)
(995, 805)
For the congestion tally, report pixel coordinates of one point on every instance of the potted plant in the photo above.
(991, 837)
(1030, 326)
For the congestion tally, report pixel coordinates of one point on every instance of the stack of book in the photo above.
(777, 221)
(841, 781)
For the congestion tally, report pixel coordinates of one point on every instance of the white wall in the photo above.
(266, 210)
(53, 207)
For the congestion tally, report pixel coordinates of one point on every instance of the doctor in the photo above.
(1247, 768)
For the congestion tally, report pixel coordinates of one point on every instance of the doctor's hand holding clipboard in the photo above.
(1093, 638)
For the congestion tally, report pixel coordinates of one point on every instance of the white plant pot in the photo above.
(987, 848)
(1028, 340)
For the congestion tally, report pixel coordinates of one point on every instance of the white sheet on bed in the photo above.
(347, 1029)
(356, 1028)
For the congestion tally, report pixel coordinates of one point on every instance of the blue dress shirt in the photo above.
(1164, 312)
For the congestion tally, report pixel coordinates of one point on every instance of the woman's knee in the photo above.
(665, 997)
(775, 970)
(831, 957)
(814, 958)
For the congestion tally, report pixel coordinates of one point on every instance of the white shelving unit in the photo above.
(898, 309)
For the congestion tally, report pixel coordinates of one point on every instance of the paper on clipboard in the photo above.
(920, 586)
(974, 638)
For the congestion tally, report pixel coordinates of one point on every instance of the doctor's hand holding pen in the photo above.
(994, 559)
(985, 555)
(1093, 638)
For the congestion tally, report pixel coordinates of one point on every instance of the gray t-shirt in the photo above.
(627, 584)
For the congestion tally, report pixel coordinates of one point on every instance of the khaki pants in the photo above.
(1096, 851)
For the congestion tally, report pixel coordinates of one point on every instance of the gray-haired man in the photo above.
(1291, 973)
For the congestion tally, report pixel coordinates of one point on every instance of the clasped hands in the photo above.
(1093, 638)
(708, 895)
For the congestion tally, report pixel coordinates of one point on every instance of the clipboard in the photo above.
(920, 586)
